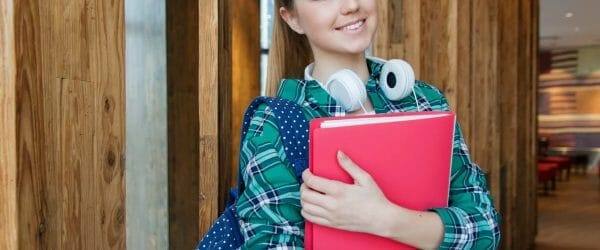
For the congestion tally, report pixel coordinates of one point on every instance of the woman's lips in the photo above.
(352, 26)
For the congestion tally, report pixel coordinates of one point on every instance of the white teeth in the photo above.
(354, 26)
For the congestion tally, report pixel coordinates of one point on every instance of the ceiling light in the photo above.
(569, 14)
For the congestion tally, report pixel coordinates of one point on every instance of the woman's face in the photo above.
(334, 26)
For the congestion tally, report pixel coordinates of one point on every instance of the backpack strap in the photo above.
(293, 129)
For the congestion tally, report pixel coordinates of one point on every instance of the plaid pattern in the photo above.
(269, 208)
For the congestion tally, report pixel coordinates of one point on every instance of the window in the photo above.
(266, 28)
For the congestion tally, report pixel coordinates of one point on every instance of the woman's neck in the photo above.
(326, 65)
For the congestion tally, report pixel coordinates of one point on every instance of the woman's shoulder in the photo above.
(428, 89)
(266, 116)
(292, 89)
(261, 125)
(434, 96)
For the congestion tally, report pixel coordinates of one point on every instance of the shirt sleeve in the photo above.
(269, 207)
(470, 221)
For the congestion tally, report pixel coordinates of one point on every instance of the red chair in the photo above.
(564, 164)
(547, 172)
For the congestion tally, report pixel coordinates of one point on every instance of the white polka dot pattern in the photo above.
(225, 232)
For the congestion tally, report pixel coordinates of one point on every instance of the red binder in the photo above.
(407, 154)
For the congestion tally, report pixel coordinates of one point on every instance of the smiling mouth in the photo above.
(352, 26)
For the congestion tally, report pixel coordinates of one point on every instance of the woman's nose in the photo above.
(349, 6)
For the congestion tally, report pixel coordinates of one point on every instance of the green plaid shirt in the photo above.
(269, 207)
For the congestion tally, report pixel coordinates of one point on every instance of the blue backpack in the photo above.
(225, 233)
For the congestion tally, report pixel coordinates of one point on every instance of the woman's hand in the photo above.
(353, 207)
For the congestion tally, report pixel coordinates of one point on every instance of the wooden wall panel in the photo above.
(32, 211)
(485, 137)
(107, 70)
(69, 153)
(508, 78)
(245, 66)
(214, 104)
(225, 102)
(382, 44)
(70, 124)
(183, 122)
(527, 101)
(482, 55)
(8, 152)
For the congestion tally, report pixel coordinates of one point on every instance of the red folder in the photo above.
(409, 158)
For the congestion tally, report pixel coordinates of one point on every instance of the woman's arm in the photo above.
(362, 207)
(269, 207)
(470, 221)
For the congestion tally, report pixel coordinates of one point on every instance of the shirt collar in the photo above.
(318, 98)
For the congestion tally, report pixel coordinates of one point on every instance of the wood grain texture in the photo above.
(382, 41)
(108, 72)
(508, 78)
(531, 176)
(8, 151)
(462, 101)
(529, 61)
(411, 16)
(208, 114)
(245, 66)
(70, 124)
(225, 103)
(484, 48)
(183, 122)
(32, 208)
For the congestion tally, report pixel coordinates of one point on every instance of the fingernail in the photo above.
(340, 154)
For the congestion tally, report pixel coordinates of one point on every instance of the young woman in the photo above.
(333, 35)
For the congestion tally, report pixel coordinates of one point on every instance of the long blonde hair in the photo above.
(289, 53)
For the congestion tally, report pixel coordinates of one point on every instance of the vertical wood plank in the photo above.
(463, 77)
(183, 122)
(225, 103)
(54, 172)
(435, 42)
(382, 42)
(485, 149)
(69, 34)
(527, 101)
(411, 16)
(70, 140)
(106, 22)
(508, 79)
(208, 114)
(32, 216)
(62, 196)
(531, 182)
(8, 152)
(245, 66)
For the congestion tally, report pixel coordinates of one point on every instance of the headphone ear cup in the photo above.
(347, 89)
(397, 79)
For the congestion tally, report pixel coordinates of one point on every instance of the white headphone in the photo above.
(397, 80)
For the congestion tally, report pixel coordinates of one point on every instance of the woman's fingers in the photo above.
(359, 175)
(315, 210)
(321, 184)
(315, 219)
(308, 195)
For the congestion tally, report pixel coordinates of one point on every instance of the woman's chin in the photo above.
(357, 49)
